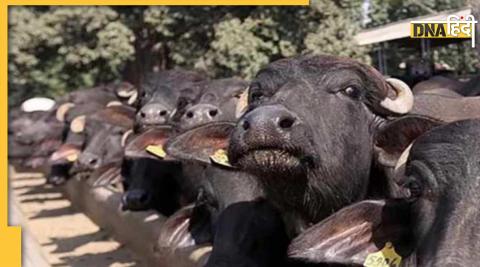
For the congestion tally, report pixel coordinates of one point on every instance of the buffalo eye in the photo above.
(352, 92)
(414, 187)
(256, 96)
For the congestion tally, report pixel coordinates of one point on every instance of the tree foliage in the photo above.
(460, 57)
(59, 49)
(53, 50)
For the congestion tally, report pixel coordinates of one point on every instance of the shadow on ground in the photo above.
(74, 250)
(71, 243)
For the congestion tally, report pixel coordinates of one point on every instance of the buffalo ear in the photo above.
(127, 137)
(354, 233)
(201, 143)
(393, 138)
(136, 146)
(106, 176)
(65, 153)
(175, 231)
(175, 238)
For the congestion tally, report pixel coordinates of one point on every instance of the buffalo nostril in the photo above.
(286, 123)
(142, 114)
(143, 198)
(189, 114)
(246, 125)
(93, 162)
(257, 95)
(213, 112)
(163, 113)
(124, 202)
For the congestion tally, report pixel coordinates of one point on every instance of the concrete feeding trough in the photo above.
(139, 231)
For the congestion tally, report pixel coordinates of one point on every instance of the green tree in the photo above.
(243, 46)
(59, 49)
(334, 33)
(385, 11)
(461, 57)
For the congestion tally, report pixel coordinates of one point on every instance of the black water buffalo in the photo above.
(150, 182)
(216, 102)
(416, 71)
(100, 162)
(18, 121)
(446, 108)
(73, 142)
(86, 101)
(212, 181)
(204, 128)
(122, 92)
(439, 84)
(449, 86)
(82, 103)
(437, 224)
(191, 184)
(214, 184)
(441, 98)
(249, 234)
(159, 93)
(472, 87)
(32, 127)
(33, 134)
(312, 134)
(158, 96)
(103, 131)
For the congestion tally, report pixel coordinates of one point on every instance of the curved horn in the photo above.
(126, 93)
(403, 103)
(125, 137)
(78, 124)
(242, 103)
(114, 103)
(402, 159)
(133, 98)
(62, 111)
(198, 253)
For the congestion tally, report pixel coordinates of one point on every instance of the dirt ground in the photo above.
(55, 234)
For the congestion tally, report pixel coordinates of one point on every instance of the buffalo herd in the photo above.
(317, 161)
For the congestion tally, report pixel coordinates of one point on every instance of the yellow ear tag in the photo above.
(220, 157)
(73, 157)
(387, 257)
(156, 150)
